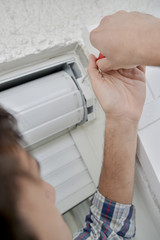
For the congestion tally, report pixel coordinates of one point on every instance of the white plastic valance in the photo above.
(45, 106)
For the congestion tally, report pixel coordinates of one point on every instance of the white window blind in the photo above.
(63, 167)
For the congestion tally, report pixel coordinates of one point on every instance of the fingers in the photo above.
(104, 64)
(136, 73)
(92, 62)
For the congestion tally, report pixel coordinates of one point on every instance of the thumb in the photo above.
(93, 69)
(104, 65)
(95, 75)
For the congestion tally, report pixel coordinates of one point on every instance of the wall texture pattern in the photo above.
(30, 26)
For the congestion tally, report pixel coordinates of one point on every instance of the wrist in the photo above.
(122, 122)
(124, 128)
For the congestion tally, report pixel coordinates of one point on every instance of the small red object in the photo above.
(100, 56)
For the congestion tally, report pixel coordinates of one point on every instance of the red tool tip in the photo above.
(100, 56)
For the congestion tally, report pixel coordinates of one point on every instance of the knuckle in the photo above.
(121, 12)
(105, 19)
(92, 36)
(92, 33)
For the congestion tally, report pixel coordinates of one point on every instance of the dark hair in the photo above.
(12, 225)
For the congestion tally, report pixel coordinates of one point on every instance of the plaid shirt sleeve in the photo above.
(108, 220)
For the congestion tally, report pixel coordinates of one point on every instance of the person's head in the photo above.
(27, 203)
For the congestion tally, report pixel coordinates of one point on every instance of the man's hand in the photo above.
(121, 93)
(127, 40)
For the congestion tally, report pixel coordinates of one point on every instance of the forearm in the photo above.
(117, 176)
(111, 214)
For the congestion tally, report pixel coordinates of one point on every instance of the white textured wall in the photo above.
(30, 26)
